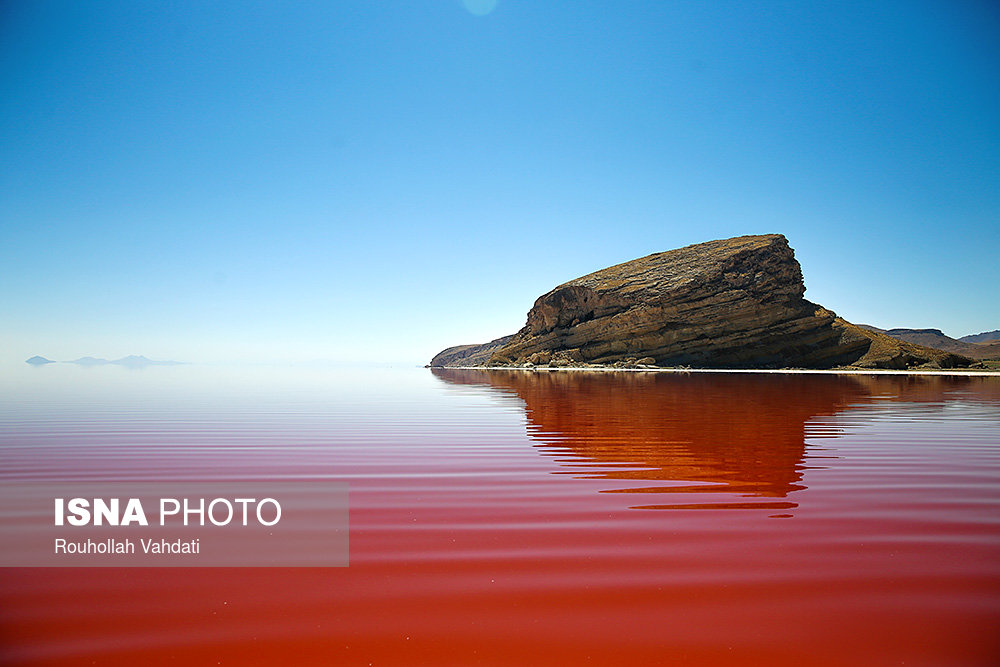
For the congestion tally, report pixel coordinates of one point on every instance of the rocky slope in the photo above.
(936, 339)
(469, 355)
(734, 303)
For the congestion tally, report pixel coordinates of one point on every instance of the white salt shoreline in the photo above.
(848, 371)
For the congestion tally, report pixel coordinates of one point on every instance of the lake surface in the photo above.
(506, 517)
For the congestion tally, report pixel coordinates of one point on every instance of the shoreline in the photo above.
(815, 371)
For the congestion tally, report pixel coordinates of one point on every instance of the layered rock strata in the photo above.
(734, 303)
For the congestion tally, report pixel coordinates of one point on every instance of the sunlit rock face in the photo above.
(733, 303)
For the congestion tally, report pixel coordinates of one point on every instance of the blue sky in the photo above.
(379, 180)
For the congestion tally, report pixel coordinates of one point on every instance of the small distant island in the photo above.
(131, 361)
(38, 361)
(733, 303)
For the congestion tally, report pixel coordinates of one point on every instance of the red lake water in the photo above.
(516, 518)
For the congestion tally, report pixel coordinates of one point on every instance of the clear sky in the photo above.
(379, 180)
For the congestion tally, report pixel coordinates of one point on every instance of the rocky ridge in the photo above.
(984, 337)
(935, 338)
(733, 303)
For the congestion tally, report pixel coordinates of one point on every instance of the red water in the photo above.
(515, 518)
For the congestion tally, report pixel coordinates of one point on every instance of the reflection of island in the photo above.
(131, 361)
(710, 440)
(932, 389)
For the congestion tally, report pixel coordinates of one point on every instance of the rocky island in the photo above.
(733, 303)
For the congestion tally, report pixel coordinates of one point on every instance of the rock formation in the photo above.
(469, 355)
(734, 303)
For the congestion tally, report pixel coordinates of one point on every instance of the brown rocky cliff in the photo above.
(732, 303)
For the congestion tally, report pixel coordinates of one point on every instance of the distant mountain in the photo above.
(935, 338)
(90, 361)
(131, 361)
(38, 361)
(984, 337)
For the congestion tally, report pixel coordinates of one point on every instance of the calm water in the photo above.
(513, 518)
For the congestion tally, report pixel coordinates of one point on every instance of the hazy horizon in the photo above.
(378, 181)
(111, 359)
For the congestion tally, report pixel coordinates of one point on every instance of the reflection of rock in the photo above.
(694, 436)
(131, 361)
(932, 389)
